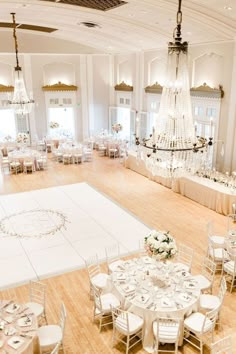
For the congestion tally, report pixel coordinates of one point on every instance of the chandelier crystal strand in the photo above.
(21, 103)
(173, 149)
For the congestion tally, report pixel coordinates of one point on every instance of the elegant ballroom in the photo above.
(118, 176)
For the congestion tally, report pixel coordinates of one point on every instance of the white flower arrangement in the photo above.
(117, 127)
(54, 125)
(22, 138)
(160, 244)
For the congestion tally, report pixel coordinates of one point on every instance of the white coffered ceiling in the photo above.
(137, 25)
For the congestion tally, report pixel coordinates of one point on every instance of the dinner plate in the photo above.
(15, 342)
(12, 308)
(9, 331)
(24, 321)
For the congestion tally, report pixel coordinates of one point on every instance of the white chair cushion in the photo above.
(135, 324)
(229, 267)
(209, 302)
(116, 264)
(49, 335)
(100, 280)
(202, 281)
(195, 321)
(109, 300)
(167, 334)
(218, 239)
(217, 254)
(36, 308)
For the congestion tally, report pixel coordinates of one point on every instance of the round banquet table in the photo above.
(149, 289)
(18, 329)
(22, 154)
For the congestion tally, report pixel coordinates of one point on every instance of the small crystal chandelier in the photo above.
(20, 101)
(173, 150)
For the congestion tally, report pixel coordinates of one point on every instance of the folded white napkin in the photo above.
(185, 297)
(166, 302)
(128, 288)
(142, 298)
(121, 276)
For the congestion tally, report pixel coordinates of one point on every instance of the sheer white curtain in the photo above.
(8, 129)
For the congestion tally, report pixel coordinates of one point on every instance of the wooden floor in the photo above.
(155, 205)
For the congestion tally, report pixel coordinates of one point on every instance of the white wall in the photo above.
(96, 74)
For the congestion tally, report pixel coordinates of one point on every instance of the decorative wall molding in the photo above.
(59, 87)
(4, 88)
(155, 88)
(207, 91)
(123, 87)
(200, 91)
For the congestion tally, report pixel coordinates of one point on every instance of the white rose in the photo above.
(157, 244)
(164, 245)
(173, 251)
(161, 237)
(161, 249)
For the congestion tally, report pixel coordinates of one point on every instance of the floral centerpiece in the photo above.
(54, 125)
(160, 245)
(117, 127)
(22, 138)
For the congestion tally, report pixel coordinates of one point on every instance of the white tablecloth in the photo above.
(14, 319)
(139, 286)
(21, 155)
(204, 191)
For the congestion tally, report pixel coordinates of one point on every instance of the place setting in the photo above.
(17, 325)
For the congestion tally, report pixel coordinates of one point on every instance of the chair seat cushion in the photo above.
(195, 321)
(167, 334)
(209, 302)
(217, 254)
(135, 324)
(109, 300)
(36, 308)
(100, 280)
(229, 267)
(220, 240)
(202, 281)
(49, 335)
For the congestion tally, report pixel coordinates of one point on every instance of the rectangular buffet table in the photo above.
(206, 192)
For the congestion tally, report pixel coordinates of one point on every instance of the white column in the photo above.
(112, 101)
(84, 96)
(230, 142)
(90, 93)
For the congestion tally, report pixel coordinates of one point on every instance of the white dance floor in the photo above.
(94, 222)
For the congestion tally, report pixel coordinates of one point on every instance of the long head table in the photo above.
(204, 191)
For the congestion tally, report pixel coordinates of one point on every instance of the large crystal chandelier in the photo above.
(173, 150)
(20, 101)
